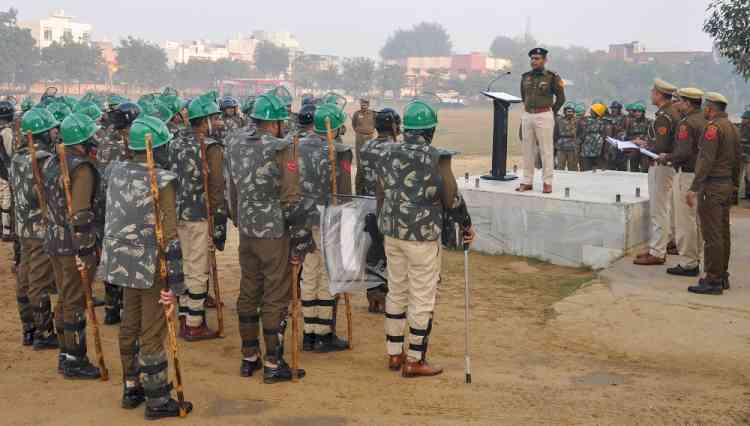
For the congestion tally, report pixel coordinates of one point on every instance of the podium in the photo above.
(501, 102)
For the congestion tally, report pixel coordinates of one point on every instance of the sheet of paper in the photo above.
(622, 145)
(648, 153)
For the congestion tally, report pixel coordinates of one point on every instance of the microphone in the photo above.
(489, 86)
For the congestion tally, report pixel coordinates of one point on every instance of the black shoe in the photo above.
(28, 336)
(249, 367)
(97, 301)
(80, 368)
(280, 373)
(725, 282)
(112, 315)
(132, 397)
(308, 342)
(714, 288)
(61, 357)
(170, 409)
(42, 342)
(684, 272)
(330, 343)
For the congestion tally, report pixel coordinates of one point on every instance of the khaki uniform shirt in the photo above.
(719, 153)
(364, 122)
(687, 141)
(542, 89)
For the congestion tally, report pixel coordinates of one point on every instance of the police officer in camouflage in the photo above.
(187, 163)
(7, 137)
(71, 241)
(34, 277)
(637, 126)
(566, 140)
(592, 132)
(315, 183)
(130, 261)
(230, 114)
(616, 159)
(263, 182)
(416, 187)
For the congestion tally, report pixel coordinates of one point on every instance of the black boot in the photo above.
(170, 409)
(680, 270)
(132, 397)
(80, 368)
(44, 341)
(308, 342)
(61, 357)
(114, 304)
(280, 373)
(330, 343)
(112, 315)
(725, 282)
(28, 335)
(249, 367)
(705, 286)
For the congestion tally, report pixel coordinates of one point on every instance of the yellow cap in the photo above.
(716, 97)
(690, 93)
(599, 109)
(664, 87)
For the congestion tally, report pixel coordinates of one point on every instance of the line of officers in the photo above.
(268, 173)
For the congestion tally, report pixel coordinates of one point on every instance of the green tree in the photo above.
(140, 62)
(424, 39)
(391, 78)
(18, 52)
(271, 59)
(727, 24)
(328, 79)
(303, 74)
(358, 75)
(71, 61)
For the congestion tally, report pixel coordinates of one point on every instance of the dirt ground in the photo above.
(540, 355)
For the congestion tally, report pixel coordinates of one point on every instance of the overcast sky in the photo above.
(359, 28)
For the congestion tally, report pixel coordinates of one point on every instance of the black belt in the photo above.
(684, 169)
(718, 178)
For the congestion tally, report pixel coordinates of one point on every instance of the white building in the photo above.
(182, 53)
(56, 27)
(242, 48)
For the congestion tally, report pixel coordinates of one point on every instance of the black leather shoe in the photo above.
(714, 288)
(280, 373)
(170, 409)
(725, 282)
(132, 397)
(684, 272)
(42, 342)
(28, 336)
(308, 342)
(330, 343)
(112, 315)
(80, 369)
(249, 367)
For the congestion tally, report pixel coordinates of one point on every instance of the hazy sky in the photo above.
(359, 28)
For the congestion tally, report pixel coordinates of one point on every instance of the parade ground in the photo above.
(550, 345)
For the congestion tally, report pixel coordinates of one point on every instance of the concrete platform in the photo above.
(588, 228)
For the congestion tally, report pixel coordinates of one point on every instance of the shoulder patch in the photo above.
(712, 133)
(292, 166)
(663, 131)
(682, 134)
(346, 166)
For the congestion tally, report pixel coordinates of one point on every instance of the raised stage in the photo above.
(588, 228)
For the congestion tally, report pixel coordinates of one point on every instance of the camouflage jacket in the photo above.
(254, 180)
(186, 163)
(744, 132)
(567, 130)
(315, 174)
(174, 129)
(616, 124)
(369, 156)
(7, 142)
(129, 251)
(111, 147)
(233, 123)
(636, 128)
(592, 133)
(409, 175)
(58, 240)
(28, 211)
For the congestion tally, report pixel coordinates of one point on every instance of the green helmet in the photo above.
(147, 107)
(580, 109)
(269, 108)
(27, 104)
(170, 91)
(331, 112)
(175, 103)
(247, 105)
(161, 111)
(638, 106)
(70, 101)
(114, 100)
(144, 125)
(202, 106)
(38, 120)
(746, 115)
(283, 94)
(60, 110)
(77, 128)
(419, 115)
(89, 108)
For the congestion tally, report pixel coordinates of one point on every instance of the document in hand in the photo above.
(623, 145)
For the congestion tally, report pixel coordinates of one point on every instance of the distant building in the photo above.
(56, 27)
(242, 48)
(457, 65)
(182, 53)
(321, 62)
(634, 52)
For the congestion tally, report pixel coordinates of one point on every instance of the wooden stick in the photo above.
(334, 191)
(295, 322)
(213, 270)
(82, 269)
(161, 249)
(38, 185)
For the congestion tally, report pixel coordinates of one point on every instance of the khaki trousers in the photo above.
(567, 160)
(194, 241)
(413, 274)
(5, 211)
(687, 229)
(317, 300)
(36, 271)
(70, 310)
(143, 326)
(714, 203)
(660, 205)
(538, 132)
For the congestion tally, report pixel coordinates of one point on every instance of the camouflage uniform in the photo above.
(186, 163)
(566, 143)
(744, 132)
(130, 259)
(35, 277)
(415, 186)
(363, 124)
(636, 128)
(592, 132)
(615, 158)
(263, 181)
(315, 177)
(7, 138)
(67, 238)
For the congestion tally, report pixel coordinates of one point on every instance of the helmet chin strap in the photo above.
(210, 128)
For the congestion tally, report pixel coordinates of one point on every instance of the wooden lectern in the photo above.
(501, 102)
